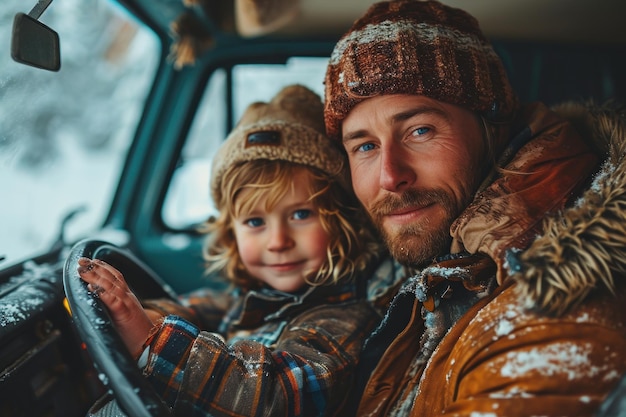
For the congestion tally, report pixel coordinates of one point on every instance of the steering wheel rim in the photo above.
(134, 394)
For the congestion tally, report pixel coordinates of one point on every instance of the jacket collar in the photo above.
(266, 304)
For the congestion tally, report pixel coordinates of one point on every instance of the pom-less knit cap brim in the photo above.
(416, 47)
(290, 128)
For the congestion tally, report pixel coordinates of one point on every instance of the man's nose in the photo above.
(396, 172)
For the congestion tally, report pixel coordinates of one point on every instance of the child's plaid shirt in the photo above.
(285, 355)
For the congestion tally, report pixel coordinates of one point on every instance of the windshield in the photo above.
(64, 135)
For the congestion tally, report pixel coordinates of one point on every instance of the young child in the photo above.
(294, 241)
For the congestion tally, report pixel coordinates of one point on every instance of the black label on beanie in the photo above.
(268, 137)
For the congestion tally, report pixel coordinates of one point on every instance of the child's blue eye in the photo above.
(302, 214)
(254, 222)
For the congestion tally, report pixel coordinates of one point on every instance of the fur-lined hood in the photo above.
(554, 215)
(583, 247)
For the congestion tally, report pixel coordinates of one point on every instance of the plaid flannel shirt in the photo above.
(286, 355)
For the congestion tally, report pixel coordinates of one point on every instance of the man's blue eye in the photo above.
(254, 222)
(421, 131)
(302, 214)
(366, 147)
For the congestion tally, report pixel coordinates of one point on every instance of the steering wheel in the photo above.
(132, 391)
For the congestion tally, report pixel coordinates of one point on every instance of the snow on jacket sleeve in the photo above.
(511, 362)
(308, 373)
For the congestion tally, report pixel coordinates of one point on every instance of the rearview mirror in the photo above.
(34, 43)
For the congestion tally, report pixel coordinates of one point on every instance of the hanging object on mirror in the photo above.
(260, 17)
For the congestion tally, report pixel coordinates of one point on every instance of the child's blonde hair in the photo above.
(350, 249)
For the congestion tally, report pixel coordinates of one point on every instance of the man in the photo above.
(511, 218)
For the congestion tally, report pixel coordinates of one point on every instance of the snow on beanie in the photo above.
(416, 47)
(290, 128)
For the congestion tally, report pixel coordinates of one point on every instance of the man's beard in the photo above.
(416, 244)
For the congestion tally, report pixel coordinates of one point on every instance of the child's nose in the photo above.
(280, 238)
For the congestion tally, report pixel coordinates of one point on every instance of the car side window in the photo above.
(188, 201)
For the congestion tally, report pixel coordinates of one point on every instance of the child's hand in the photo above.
(127, 314)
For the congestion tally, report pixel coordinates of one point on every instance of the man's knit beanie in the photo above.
(416, 47)
(290, 128)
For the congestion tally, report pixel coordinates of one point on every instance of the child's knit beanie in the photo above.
(290, 128)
